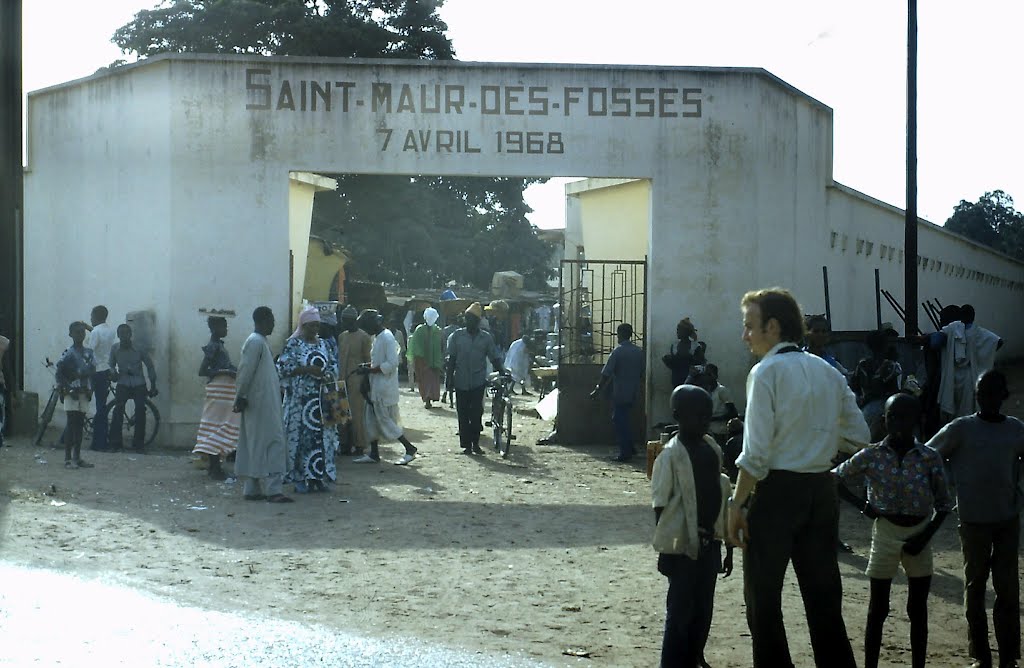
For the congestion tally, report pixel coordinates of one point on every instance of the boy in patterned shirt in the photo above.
(908, 498)
(74, 373)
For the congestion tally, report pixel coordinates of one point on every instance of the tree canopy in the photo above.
(338, 28)
(422, 231)
(992, 221)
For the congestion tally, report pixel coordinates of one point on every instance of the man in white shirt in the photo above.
(101, 339)
(517, 361)
(800, 413)
(382, 416)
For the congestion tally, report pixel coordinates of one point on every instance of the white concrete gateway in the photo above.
(164, 186)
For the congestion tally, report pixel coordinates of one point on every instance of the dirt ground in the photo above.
(546, 554)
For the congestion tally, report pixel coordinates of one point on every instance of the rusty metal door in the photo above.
(595, 297)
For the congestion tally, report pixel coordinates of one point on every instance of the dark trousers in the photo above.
(689, 605)
(73, 436)
(623, 428)
(122, 395)
(795, 516)
(100, 390)
(469, 404)
(992, 547)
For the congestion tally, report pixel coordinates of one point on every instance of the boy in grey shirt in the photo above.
(984, 452)
(126, 364)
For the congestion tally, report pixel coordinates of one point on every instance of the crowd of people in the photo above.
(99, 356)
(814, 433)
(290, 440)
(358, 354)
(808, 440)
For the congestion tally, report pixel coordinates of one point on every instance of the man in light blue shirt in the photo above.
(624, 371)
(468, 350)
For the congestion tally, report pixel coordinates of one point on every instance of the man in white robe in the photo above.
(968, 351)
(517, 361)
(383, 419)
(262, 456)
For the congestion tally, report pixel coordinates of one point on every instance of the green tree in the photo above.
(992, 221)
(335, 28)
(420, 231)
(426, 231)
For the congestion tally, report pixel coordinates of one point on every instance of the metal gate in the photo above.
(595, 297)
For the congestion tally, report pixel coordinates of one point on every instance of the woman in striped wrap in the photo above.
(219, 425)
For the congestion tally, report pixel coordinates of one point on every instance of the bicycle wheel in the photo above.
(44, 419)
(128, 423)
(152, 422)
(496, 428)
(507, 429)
(87, 430)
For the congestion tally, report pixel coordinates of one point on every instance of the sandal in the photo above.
(280, 498)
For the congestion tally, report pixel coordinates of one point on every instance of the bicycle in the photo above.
(51, 406)
(500, 388)
(128, 424)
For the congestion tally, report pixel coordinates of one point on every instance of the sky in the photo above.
(849, 55)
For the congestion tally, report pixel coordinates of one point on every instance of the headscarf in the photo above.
(475, 309)
(430, 316)
(311, 314)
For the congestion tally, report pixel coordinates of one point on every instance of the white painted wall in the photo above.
(97, 212)
(865, 234)
(177, 170)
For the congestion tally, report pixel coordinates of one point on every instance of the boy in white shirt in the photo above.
(689, 493)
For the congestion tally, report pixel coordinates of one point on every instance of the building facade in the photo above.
(164, 186)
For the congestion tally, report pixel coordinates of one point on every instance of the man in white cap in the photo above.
(469, 349)
(382, 416)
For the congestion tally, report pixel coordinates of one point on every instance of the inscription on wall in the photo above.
(452, 102)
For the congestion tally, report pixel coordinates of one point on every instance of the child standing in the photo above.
(984, 451)
(74, 373)
(723, 408)
(908, 499)
(689, 496)
(875, 379)
(733, 448)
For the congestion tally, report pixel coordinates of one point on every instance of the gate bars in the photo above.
(595, 297)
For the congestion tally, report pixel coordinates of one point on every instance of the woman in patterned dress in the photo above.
(305, 364)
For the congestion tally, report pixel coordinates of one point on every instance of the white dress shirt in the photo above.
(101, 339)
(800, 413)
(385, 353)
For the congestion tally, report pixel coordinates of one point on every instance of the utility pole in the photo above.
(910, 223)
(10, 185)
